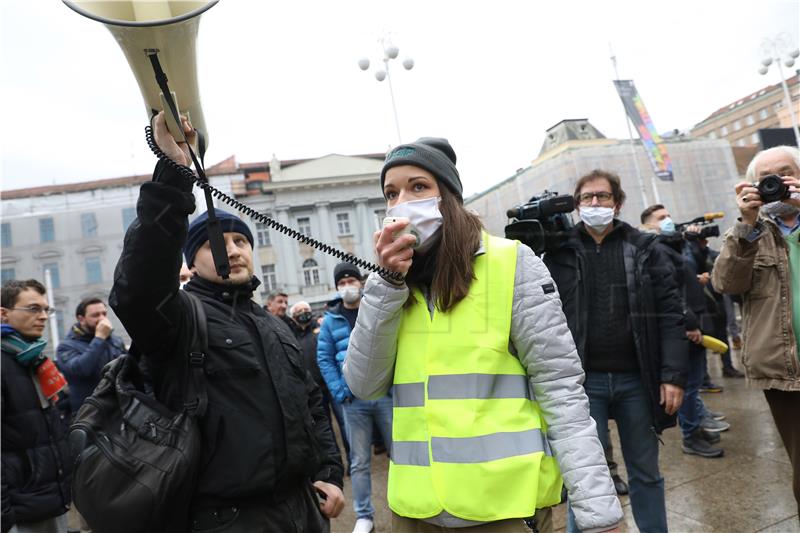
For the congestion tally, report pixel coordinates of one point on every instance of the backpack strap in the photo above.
(196, 384)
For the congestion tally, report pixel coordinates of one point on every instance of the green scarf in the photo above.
(28, 354)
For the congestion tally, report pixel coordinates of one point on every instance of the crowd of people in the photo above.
(488, 374)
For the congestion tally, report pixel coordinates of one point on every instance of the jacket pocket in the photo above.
(231, 354)
(766, 280)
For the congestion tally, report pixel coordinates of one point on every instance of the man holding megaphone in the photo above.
(269, 459)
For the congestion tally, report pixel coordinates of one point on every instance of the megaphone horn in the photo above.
(170, 28)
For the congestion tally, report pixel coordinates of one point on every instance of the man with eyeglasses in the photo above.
(36, 466)
(89, 346)
(623, 307)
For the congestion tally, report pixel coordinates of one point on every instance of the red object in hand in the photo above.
(51, 381)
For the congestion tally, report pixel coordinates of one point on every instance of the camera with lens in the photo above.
(542, 222)
(772, 189)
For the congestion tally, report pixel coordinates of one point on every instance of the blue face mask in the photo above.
(667, 226)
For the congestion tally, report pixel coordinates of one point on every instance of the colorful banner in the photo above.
(654, 146)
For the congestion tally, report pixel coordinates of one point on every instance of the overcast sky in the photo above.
(281, 77)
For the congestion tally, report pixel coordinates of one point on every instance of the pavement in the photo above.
(747, 490)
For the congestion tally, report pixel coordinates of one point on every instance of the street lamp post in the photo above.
(390, 52)
(777, 50)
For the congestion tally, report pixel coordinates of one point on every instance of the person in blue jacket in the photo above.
(360, 415)
(89, 346)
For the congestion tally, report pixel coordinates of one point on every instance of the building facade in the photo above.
(335, 199)
(704, 170)
(76, 230)
(739, 121)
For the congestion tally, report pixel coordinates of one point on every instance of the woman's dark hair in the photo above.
(448, 268)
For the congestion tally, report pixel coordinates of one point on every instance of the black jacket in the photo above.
(307, 340)
(656, 309)
(36, 471)
(694, 301)
(265, 430)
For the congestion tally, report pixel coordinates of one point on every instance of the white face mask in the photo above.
(598, 218)
(350, 295)
(780, 209)
(424, 214)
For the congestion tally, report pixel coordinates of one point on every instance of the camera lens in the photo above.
(772, 189)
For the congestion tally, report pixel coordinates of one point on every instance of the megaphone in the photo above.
(168, 28)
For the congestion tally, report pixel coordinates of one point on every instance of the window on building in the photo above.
(88, 225)
(754, 138)
(60, 322)
(712, 135)
(740, 142)
(6, 236)
(262, 233)
(777, 106)
(737, 125)
(343, 223)
(763, 113)
(310, 272)
(750, 120)
(128, 214)
(723, 131)
(304, 225)
(55, 278)
(47, 230)
(270, 283)
(7, 274)
(94, 272)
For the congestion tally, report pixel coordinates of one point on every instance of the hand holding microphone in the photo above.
(394, 244)
(177, 150)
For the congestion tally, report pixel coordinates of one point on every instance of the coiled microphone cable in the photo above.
(260, 217)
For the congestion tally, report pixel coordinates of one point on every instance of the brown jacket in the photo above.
(758, 269)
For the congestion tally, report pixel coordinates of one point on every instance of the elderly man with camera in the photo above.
(760, 259)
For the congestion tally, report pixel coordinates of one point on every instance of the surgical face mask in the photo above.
(350, 295)
(423, 214)
(304, 318)
(780, 209)
(597, 218)
(667, 226)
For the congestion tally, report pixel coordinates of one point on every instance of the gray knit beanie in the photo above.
(434, 154)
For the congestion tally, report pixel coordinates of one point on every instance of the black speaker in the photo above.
(776, 137)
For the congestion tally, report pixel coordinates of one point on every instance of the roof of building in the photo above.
(226, 166)
(741, 101)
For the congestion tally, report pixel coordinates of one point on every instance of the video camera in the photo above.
(706, 228)
(542, 222)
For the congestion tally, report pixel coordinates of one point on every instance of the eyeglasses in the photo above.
(603, 197)
(35, 310)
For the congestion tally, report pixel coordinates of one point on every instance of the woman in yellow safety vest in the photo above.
(489, 411)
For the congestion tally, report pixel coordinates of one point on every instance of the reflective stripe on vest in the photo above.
(468, 437)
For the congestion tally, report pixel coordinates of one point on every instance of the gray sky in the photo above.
(282, 78)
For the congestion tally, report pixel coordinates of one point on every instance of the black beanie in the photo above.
(434, 154)
(343, 270)
(198, 232)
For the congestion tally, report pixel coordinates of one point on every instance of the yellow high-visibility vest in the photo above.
(468, 438)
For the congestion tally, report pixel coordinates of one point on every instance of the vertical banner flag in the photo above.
(654, 146)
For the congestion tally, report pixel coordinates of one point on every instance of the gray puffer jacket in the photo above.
(544, 345)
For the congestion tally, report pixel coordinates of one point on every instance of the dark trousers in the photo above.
(785, 407)
(296, 512)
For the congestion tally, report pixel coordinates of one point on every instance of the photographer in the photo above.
(760, 259)
(625, 313)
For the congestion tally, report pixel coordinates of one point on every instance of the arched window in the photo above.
(310, 272)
